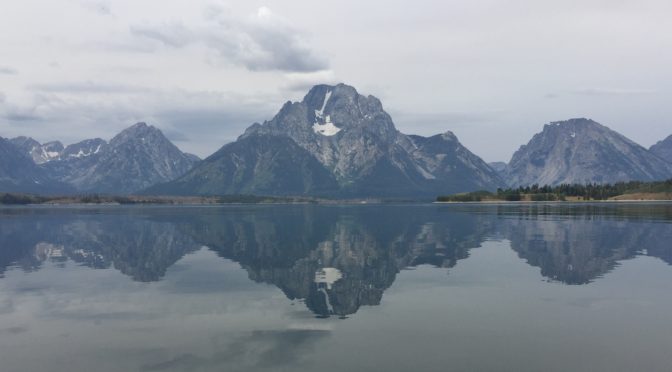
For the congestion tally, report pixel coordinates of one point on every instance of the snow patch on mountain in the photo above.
(323, 124)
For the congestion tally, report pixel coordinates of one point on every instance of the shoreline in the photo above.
(331, 202)
(555, 201)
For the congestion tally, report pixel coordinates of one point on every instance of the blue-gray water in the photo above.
(337, 288)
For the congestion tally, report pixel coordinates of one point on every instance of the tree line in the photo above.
(587, 191)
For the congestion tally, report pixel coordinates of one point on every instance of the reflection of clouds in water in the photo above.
(13, 330)
(6, 306)
(101, 315)
(258, 349)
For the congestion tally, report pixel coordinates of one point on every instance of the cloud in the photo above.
(20, 116)
(13, 330)
(4, 70)
(258, 350)
(603, 92)
(263, 42)
(98, 7)
(303, 81)
(172, 34)
(18, 113)
(612, 92)
(88, 87)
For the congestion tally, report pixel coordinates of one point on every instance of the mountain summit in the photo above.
(336, 142)
(579, 151)
(663, 149)
(138, 157)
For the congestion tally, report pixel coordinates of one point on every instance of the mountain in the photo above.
(498, 166)
(19, 173)
(40, 153)
(259, 164)
(138, 157)
(84, 148)
(663, 149)
(580, 151)
(336, 142)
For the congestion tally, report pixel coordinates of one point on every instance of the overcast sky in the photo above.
(493, 72)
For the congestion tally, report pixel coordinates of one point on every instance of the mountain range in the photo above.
(334, 143)
(138, 157)
(19, 173)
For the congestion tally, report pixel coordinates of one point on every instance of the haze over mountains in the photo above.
(334, 143)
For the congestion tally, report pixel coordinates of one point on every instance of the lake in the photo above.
(509, 287)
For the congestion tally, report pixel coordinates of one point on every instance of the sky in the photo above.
(493, 72)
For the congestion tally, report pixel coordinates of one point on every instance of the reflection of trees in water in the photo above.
(336, 258)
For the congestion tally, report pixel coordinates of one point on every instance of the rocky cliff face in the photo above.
(40, 153)
(355, 151)
(663, 149)
(83, 149)
(138, 157)
(580, 151)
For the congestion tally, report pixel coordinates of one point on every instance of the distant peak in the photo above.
(574, 121)
(316, 94)
(137, 131)
(24, 140)
(139, 125)
(448, 135)
(574, 125)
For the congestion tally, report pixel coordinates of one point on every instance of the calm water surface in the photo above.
(337, 288)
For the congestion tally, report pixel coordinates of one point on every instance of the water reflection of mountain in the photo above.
(364, 248)
(336, 259)
(138, 247)
(576, 245)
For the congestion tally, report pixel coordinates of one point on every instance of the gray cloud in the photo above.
(14, 113)
(171, 34)
(8, 70)
(302, 82)
(267, 350)
(14, 330)
(20, 116)
(98, 7)
(612, 92)
(263, 43)
(88, 87)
